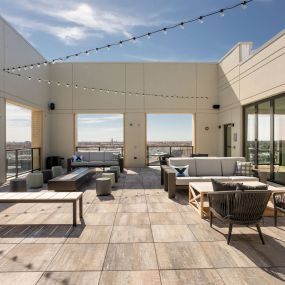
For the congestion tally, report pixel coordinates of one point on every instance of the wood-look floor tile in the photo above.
(14, 233)
(253, 276)
(128, 219)
(150, 277)
(76, 257)
(23, 278)
(90, 234)
(99, 219)
(49, 234)
(161, 207)
(193, 277)
(158, 199)
(204, 232)
(133, 192)
(223, 255)
(166, 219)
(132, 208)
(181, 255)
(102, 208)
(193, 218)
(172, 233)
(29, 257)
(5, 248)
(129, 234)
(132, 199)
(130, 256)
(70, 278)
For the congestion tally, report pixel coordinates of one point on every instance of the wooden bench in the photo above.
(46, 197)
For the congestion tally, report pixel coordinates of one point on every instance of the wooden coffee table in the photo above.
(198, 195)
(71, 181)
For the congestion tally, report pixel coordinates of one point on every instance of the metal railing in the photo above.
(110, 148)
(156, 151)
(20, 161)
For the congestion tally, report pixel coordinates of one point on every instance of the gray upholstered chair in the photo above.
(239, 207)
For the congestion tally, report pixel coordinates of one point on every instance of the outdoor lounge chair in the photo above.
(279, 204)
(239, 207)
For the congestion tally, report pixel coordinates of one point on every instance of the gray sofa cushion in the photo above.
(182, 161)
(219, 178)
(96, 163)
(184, 181)
(208, 166)
(244, 178)
(229, 165)
(79, 163)
(241, 186)
(112, 162)
(223, 186)
(97, 156)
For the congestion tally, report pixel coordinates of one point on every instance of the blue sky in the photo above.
(57, 28)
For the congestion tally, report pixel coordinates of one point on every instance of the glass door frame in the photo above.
(271, 100)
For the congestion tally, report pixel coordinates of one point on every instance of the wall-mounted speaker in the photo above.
(51, 106)
(216, 106)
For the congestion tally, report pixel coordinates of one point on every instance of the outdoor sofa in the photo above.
(201, 169)
(96, 159)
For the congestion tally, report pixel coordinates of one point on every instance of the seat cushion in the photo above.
(79, 163)
(208, 166)
(111, 162)
(97, 156)
(182, 161)
(243, 178)
(241, 186)
(219, 178)
(229, 165)
(184, 181)
(95, 163)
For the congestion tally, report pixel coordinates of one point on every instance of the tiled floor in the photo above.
(135, 236)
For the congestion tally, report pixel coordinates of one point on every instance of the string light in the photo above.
(222, 13)
(164, 30)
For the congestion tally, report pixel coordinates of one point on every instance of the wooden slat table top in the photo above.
(206, 187)
(19, 197)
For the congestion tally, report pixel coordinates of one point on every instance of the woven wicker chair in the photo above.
(239, 207)
(279, 204)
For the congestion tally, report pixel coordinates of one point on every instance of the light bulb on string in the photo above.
(243, 5)
(19, 68)
(108, 47)
(31, 66)
(84, 88)
(92, 89)
(58, 83)
(67, 85)
(121, 43)
(182, 25)
(75, 86)
(134, 39)
(38, 65)
(39, 80)
(48, 82)
(148, 35)
(45, 63)
(30, 78)
(164, 31)
(222, 13)
(87, 52)
(201, 19)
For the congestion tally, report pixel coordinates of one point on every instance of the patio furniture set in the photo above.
(240, 197)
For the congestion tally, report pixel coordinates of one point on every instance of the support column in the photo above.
(135, 139)
(37, 137)
(2, 140)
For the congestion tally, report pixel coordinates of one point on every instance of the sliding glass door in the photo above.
(264, 134)
(279, 140)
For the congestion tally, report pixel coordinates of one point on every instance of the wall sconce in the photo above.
(207, 128)
(233, 124)
(219, 126)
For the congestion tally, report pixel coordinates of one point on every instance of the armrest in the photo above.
(69, 167)
(121, 163)
(170, 181)
(278, 197)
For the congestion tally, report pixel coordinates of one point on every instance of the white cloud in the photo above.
(97, 119)
(73, 21)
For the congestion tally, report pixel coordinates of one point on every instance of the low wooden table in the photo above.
(70, 181)
(46, 197)
(198, 194)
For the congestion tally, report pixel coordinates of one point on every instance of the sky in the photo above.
(18, 123)
(57, 28)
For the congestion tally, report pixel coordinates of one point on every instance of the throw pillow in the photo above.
(115, 156)
(181, 171)
(77, 158)
(223, 186)
(241, 186)
(243, 168)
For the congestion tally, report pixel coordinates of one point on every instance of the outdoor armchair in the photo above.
(239, 207)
